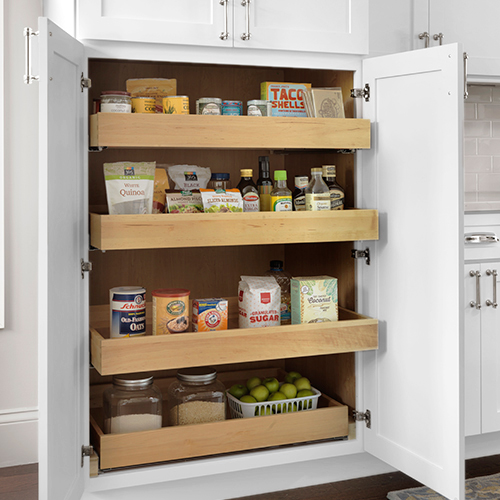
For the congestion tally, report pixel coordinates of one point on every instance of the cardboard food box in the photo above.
(209, 315)
(314, 299)
(287, 99)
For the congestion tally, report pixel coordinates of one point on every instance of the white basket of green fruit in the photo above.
(269, 396)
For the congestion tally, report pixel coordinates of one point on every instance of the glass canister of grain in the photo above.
(133, 403)
(196, 397)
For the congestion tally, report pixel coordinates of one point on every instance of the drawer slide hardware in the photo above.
(477, 303)
(364, 92)
(361, 254)
(86, 267)
(366, 417)
(493, 273)
(86, 451)
(85, 83)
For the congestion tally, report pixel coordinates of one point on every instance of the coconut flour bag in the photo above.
(259, 299)
(129, 187)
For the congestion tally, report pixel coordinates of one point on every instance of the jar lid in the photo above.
(280, 175)
(256, 102)
(219, 177)
(246, 172)
(114, 92)
(314, 170)
(171, 292)
(203, 100)
(133, 380)
(197, 374)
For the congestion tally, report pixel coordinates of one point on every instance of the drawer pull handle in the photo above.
(474, 238)
(246, 4)
(225, 34)
(477, 303)
(493, 273)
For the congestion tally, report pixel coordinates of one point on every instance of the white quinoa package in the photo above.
(259, 299)
(130, 187)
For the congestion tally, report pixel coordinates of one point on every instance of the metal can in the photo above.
(127, 311)
(143, 105)
(115, 101)
(232, 108)
(209, 106)
(257, 107)
(170, 310)
(176, 105)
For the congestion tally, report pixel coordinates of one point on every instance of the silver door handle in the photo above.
(225, 34)
(426, 36)
(439, 37)
(28, 77)
(477, 303)
(475, 238)
(493, 273)
(466, 91)
(246, 4)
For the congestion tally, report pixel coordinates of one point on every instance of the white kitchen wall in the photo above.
(482, 146)
(18, 341)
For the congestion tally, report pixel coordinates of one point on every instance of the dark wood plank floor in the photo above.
(20, 483)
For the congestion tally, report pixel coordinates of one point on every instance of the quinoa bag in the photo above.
(259, 299)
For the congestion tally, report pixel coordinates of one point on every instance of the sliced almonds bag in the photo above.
(220, 200)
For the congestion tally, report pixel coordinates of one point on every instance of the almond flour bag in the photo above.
(259, 299)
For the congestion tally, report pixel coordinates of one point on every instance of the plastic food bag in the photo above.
(259, 299)
(189, 177)
(220, 200)
(161, 183)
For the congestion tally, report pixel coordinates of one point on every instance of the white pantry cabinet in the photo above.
(411, 384)
(333, 26)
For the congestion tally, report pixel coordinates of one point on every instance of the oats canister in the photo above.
(127, 311)
(176, 105)
(143, 105)
(170, 310)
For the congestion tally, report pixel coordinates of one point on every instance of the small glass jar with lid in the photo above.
(115, 101)
(196, 397)
(132, 404)
(219, 181)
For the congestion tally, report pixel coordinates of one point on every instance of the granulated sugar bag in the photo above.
(259, 299)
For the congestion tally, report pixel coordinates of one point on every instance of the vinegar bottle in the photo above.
(264, 184)
(317, 192)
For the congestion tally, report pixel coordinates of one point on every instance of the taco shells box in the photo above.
(314, 299)
(287, 99)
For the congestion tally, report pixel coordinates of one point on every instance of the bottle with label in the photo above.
(299, 195)
(283, 278)
(264, 184)
(317, 192)
(337, 193)
(281, 196)
(249, 193)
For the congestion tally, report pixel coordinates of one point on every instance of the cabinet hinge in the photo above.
(364, 92)
(85, 83)
(363, 417)
(86, 451)
(86, 267)
(361, 254)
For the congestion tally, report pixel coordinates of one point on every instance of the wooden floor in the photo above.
(20, 483)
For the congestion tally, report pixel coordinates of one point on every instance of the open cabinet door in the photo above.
(413, 286)
(62, 287)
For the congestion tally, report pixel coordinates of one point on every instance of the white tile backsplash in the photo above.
(482, 139)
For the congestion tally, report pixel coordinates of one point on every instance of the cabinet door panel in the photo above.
(414, 286)
(62, 293)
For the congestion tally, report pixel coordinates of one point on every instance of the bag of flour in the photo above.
(129, 187)
(259, 299)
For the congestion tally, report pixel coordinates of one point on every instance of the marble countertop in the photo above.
(482, 202)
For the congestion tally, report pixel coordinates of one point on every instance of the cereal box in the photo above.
(314, 299)
(287, 99)
(209, 315)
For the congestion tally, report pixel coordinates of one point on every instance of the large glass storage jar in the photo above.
(132, 404)
(196, 397)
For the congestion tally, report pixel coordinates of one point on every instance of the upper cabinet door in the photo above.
(334, 26)
(196, 22)
(63, 243)
(414, 284)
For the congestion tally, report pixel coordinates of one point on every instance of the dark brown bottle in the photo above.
(337, 194)
(299, 195)
(264, 184)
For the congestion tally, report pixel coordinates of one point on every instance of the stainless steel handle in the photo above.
(426, 36)
(477, 303)
(475, 238)
(225, 34)
(466, 92)
(493, 273)
(28, 77)
(439, 37)
(246, 4)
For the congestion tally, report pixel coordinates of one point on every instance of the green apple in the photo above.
(291, 376)
(289, 407)
(302, 383)
(289, 390)
(238, 390)
(260, 392)
(263, 410)
(253, 382)
(276, 396)
(248, 399)
(305, 393)
(272, 384)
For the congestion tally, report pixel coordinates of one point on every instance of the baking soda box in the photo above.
(314, 299)
(209, 315)
(287, 99)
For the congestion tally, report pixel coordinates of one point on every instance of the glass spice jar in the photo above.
(219, 181)
(115, 101)
(196, 397)
(132, 404)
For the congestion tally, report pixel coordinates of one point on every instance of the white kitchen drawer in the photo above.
(481, 225)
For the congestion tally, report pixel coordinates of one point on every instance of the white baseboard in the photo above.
(19, 437)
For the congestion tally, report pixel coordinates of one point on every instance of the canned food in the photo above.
(176, 105)
(115, 101)
(127, 311)
(170, 310)
(232, 107)
(143, 105)
(257, 107)
(209, 106)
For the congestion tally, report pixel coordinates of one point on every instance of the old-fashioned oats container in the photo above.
(170, 310)
(196, 397)
(115, 101)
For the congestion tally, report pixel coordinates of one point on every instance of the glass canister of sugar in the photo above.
(196, 397)
(133, 403)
